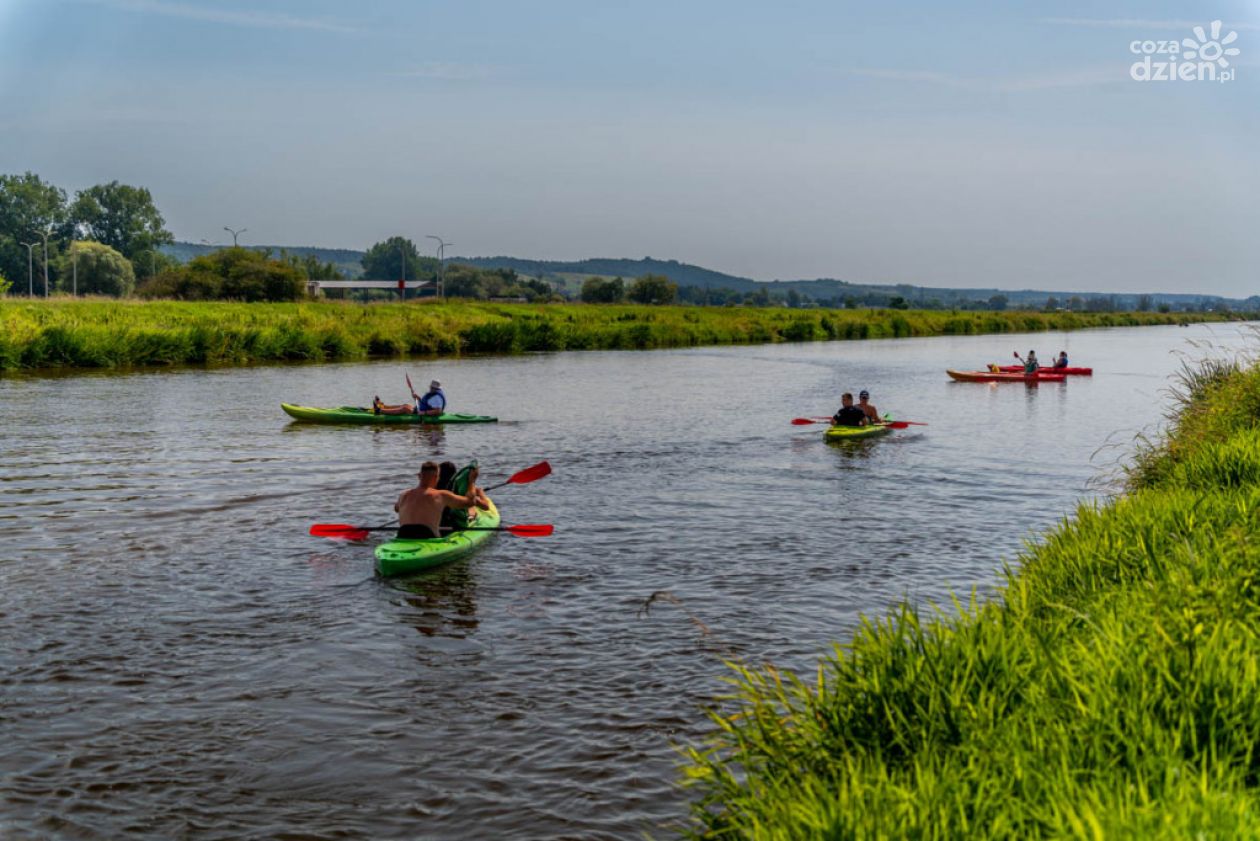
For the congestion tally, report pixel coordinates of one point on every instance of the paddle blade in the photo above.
(343, 531)
(803, 421)
(530, 474)
(531, 530)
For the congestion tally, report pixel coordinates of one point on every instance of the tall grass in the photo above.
(1110, 690)
(108, 333)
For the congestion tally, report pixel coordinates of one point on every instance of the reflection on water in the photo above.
(182, 660)
(444, 600)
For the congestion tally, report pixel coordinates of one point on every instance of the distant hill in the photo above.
(567, 275)
(347, 260)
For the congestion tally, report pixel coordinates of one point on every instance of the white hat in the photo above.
(435, 384)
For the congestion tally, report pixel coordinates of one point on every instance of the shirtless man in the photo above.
(420, 508)
(865, 404)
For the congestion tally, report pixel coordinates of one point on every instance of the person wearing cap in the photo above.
(432, 403)
(864, 403)
(849, 415)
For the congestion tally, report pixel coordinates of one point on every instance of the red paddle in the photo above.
(410, 387)
(345, 531)
(890, 424)
(524, 477)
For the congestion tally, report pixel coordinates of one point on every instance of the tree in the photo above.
(93, 268)
(1052, 304)
(599, 290)
(793, 298)
(998, 302)
(388, 260)
(1144, 303)
(5, 285)
(653, 289)
(120, 216)
(896, 302)
(28, 207)
(1076, 303)
(234, 273)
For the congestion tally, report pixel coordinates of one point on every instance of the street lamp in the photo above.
(234, 234)
(441, 256)
(44, 234)
(30, 268)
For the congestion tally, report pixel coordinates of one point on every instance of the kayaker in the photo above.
(849, 415)
(420, 508)
(1030, 364)
(864, 403)
(432, 403)
(1062, 361)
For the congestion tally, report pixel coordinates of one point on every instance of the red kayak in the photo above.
(1004, 377)
(1049, 369)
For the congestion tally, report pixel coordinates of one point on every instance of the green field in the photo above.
(69, 332)
(1111, 689)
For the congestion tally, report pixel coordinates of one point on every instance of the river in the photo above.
(181, 659)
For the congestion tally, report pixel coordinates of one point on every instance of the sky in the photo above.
(935, 144)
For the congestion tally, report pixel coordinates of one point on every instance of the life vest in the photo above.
(453, 518)
(425, 404)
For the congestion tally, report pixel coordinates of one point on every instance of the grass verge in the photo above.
(70, 332)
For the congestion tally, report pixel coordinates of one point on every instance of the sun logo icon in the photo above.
(1210, 49)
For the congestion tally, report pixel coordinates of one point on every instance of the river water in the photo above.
(180, 659)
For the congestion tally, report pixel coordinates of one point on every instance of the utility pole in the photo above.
(402, 273)
(74, 258)
(234, 234)
(441, 289)
(30, 268)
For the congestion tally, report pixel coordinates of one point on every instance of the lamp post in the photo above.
(402, 272)
(234, 234)
(30, 268)
(44, 234)
(441, 256)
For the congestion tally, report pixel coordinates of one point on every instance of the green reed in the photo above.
(105, 333)
(1111, 689)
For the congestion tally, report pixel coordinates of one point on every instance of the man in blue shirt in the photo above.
(432, 403)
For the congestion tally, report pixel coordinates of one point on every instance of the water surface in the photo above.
(181, 660)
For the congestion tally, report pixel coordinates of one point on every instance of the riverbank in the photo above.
(1110, 689)
(78, 333)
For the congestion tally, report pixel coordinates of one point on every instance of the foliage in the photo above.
(652, 289)
(5, 285)
(120, 216)
(601, 290)
(1110, 689)
(69, 332)
(239, 274)
(397, 259)
(95, 269)
(28, 207)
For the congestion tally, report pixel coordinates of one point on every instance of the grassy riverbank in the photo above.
(106, 333)
(1110, 690)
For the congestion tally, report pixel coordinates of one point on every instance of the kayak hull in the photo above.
(1003, 377)
(403, 557)
(854, 433)
(1067, 372)
(359, 415)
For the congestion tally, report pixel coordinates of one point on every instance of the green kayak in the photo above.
(400, 557)
(852, 433)
(357, 414)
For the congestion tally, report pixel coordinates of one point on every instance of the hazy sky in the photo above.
(931, 143)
